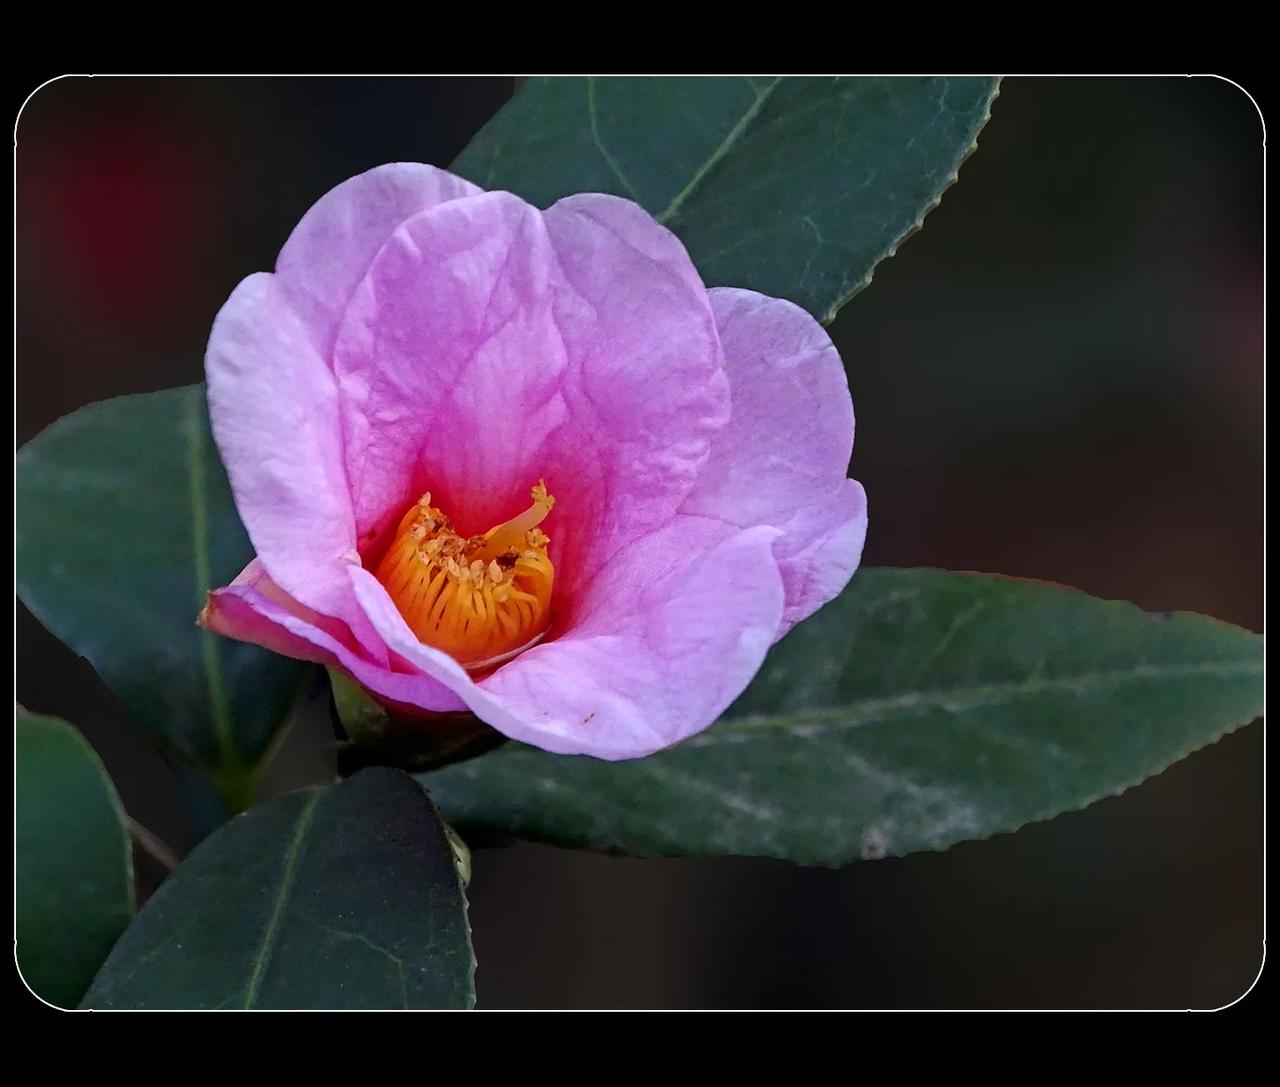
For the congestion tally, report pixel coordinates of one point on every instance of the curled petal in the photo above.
(645, 385)
(782, 458)
(245, 612)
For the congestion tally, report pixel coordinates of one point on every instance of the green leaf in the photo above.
(795, 187)
(917, 710)
(344, 896)
(73, 865)
(125, 521)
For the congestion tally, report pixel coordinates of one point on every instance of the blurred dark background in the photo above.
(1059, 377)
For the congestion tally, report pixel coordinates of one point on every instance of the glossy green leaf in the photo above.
(917, 710)
(73, 861)
(343, 896)
(125, 521)
(796, 187)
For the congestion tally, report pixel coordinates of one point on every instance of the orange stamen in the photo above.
(477, 599)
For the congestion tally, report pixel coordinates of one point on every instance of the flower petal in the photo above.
(449, 364)
(646, 389)
(782, 460)
(244, 611)
(331, 248)
(255, 577)
(273, 409)
(677, 627)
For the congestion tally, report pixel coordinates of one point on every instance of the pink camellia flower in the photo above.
(524, 462)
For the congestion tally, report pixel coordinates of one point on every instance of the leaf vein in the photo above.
(726, 145)
(286, 885)
(220, 706)
(958, 699)
(594, 118)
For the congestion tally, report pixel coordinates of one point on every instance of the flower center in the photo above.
(479, 599)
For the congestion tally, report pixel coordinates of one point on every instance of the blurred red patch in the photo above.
(114, 212)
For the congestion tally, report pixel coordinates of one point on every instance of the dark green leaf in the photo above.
(125, 521)
(796, 187)
(74, 864)
(344, 896)
(917, 710)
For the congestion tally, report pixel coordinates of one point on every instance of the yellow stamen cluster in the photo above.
(481, 598)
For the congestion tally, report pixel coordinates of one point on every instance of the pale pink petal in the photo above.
(646, 389)
(782, 460)
(674, 630)
(273, 408)
(331, 248)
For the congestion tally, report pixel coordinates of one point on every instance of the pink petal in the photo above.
(331, 248)
(646, 389)
(782, 459)
(676, 627)
(254, 577)
(273, 408)
(243, 611)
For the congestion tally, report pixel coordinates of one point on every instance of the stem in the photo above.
(153, 846)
